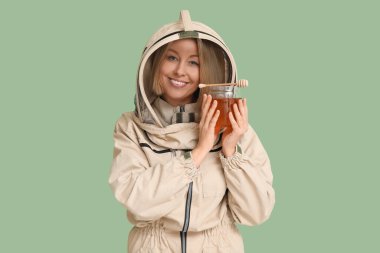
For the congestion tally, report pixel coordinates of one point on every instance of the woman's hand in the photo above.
(239, 123)
(207, 134)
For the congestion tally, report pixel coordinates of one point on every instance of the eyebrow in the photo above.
(194, 55)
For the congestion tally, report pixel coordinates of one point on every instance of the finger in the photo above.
(245, 108)
(242, 107)
(205, 108)
(245, 113)
(233, 122)
(210, 113)
(214, 119)
(237, 114)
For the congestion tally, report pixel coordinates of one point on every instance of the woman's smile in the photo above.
(177, 83)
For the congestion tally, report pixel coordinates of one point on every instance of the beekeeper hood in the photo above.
(183, 28)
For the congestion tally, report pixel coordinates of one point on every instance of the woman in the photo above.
(184, 187)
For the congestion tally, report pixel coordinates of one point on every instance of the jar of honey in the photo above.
(226, 98)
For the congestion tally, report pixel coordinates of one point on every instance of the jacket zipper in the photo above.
(173, 152)
(183, 233)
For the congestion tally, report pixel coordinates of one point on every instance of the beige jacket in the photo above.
(174, 206)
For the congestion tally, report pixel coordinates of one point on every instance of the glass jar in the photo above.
(226, 98)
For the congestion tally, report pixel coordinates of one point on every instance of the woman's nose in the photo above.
(180, 69)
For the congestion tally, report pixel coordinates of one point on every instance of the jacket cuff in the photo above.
(234, 161)
(190, 168)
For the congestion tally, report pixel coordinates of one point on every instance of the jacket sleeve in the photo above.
(249, 178)
(148, 192)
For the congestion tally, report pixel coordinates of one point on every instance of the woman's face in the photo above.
(179, 72)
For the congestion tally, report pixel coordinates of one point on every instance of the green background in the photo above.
(67, 72)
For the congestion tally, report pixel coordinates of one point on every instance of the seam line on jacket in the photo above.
(146, 145)
(178, 32)
(155, 151)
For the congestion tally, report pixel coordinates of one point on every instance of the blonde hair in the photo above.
(157, 59)
(211, 64)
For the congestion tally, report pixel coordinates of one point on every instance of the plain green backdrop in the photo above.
(67, 72)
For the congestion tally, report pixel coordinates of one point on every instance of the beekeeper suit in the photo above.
(174, 206)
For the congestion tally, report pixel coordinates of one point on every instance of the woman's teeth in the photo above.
(177, 83)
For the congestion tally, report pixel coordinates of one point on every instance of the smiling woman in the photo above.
(184, 186)
(179, 72)
(193, 59)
